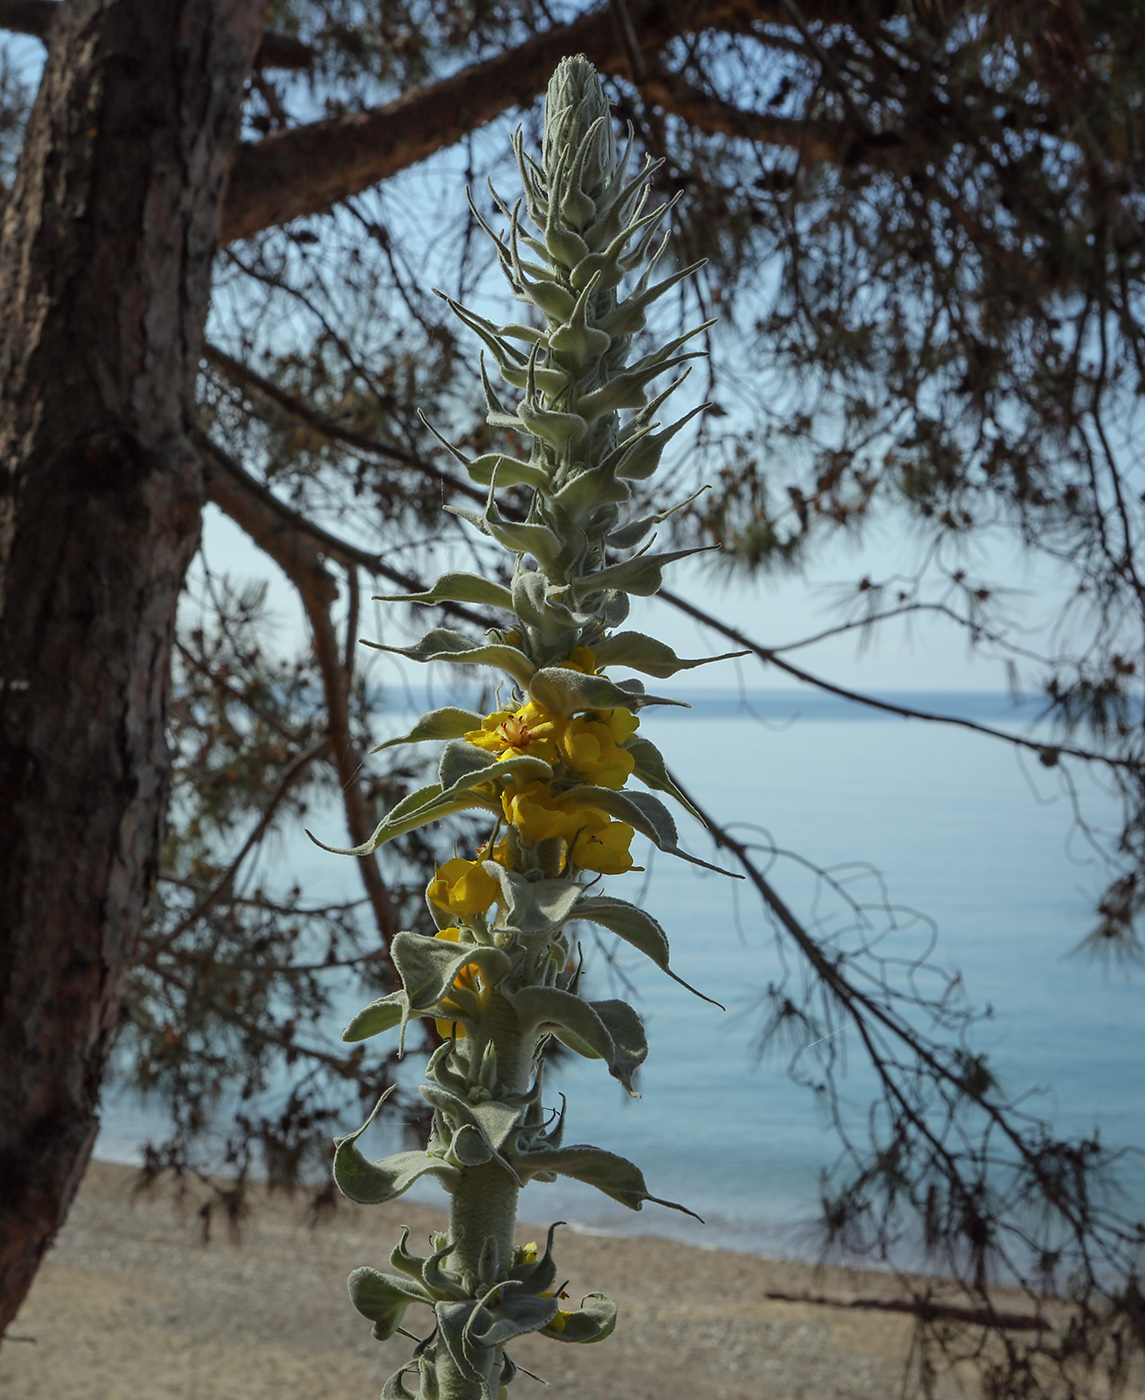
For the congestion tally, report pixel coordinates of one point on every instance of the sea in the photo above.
(947, 853)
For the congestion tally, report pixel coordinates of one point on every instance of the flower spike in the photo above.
(550, 770)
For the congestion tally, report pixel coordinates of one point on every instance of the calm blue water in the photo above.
(959, 830)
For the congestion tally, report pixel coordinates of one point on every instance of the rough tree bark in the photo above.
(105, 259)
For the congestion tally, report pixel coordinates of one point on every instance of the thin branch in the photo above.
(223, 686)
(921, 1307)
(242, 375)
(291, 773)
(817, 140)
(294, 553)
(772, 658)
(858, 624)
(228, 484)
(344, 1067)
(860, 1005)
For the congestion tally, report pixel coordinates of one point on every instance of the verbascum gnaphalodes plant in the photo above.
(550, 768)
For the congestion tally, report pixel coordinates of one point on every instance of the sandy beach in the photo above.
(132, 1303)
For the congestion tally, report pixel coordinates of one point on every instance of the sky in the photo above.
(923, 655)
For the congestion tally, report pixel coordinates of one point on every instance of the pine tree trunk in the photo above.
(105, 258)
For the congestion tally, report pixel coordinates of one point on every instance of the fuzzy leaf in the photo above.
(526, 538)
(540, 1275)
(642, 450)
(652, 773)
(508, 471)
(634, 925)
(452, 1319)
(652, 657)
(614, 1176)
(642, 575)
(446, 723)
(625, 388)
(460, 760)
(511, 472)
(469, 1147)
(564, 1011)
(557, 629)
(532, 907)
(586, 492)
(371, 1183)
(516, 1314)
(629, 535)
(428, 966)
(383, 1298)
(591, 1322)
(395, 1389)
(564, 691)
(381, 1015)
(553, 427)
(411, 803)
(442, 644)
(419, 808)
(525, 767)
(455, 588)
(629, 1043)
(461, 1113)
(496, 1121)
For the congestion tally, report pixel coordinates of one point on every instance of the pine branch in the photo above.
(294, 552)
(243, 376)
(307, 170)
(228, 484)
(815, 140)
(290, 775)
(772, 658)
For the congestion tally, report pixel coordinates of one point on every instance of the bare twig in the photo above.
(229, 483)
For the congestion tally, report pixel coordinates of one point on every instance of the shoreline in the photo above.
(130, 1302)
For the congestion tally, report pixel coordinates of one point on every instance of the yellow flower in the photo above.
(589, 748)
(538, 815)
(530, 730)
(604, 847)
(622, 724)
(560, 1320)
(500, 852)
(462, 887)
(583, 659)
(467, 980)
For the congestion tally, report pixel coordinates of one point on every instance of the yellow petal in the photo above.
(462, 887)
(604, 849)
